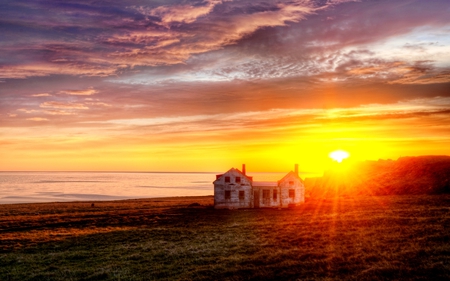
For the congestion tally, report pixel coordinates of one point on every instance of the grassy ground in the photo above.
(366, 238)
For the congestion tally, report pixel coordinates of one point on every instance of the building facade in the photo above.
(235, 189)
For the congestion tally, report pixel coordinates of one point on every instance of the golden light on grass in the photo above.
(339, 155)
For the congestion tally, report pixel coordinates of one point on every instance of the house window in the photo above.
(291, 182)
(266, 196)
(241, 195)
(227, 179)
(291, 193)
(238, 179)
(275, 194)
(227, 194)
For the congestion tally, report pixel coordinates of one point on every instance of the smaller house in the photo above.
(235, 189)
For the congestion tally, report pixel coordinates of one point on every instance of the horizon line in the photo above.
(137, 172)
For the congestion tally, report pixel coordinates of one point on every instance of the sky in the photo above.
(187, 85)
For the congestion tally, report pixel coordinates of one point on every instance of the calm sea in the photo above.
(31, 187)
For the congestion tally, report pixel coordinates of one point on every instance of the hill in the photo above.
(407, 175)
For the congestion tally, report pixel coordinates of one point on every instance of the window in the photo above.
(266, 196)
(275, 194)
(291, 182)
(227, 194)
(291, 193)
(241, 195)
(227, 179)
(238, 179)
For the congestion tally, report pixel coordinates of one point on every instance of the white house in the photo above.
(234, 189)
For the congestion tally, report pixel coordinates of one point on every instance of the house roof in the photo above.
(291, 173)
(235, 170)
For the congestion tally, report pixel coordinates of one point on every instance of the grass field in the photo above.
(364, 238)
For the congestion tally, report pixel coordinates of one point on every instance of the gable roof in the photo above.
(233, 170)
(291, 173)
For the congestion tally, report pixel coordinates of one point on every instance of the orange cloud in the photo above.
(99, 104)
(46, 69)
(176, 47)
(423, 77)
(180, 13)
(85, 92)
(63, 105)
(401, 72)
(26, 110)
(57, 112)
(37, 119)
(41, 95)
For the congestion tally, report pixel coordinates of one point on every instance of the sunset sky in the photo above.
(184, 85)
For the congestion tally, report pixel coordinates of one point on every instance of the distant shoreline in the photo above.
(122, 200)
(137, 172)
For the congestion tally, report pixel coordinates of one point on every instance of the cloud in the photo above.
(26, 110)
(180, 13)
(175, 46)
(420, 72)
(104, 50)
(27, 69)
(235, 56)
(311, 48)
(41, 95)
(57, 112)
(85, 92)
(278, 121)
(37, 119)
(423, 76)
(296, 37)
(99, 104)
(63, 105)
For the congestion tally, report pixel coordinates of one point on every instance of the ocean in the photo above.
(34, 187)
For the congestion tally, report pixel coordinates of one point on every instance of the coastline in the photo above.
(122, 200)
(92, 198)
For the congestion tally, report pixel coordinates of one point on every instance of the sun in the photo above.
(339, 155)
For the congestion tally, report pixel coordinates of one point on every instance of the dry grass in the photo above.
(27, 224)
(365, 238)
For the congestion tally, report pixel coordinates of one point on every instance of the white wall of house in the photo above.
(291, 183)
(233, 190)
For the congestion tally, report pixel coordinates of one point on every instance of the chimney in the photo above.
(243, 169)
(296, 169)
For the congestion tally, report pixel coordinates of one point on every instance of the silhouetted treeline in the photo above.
(407, 175)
